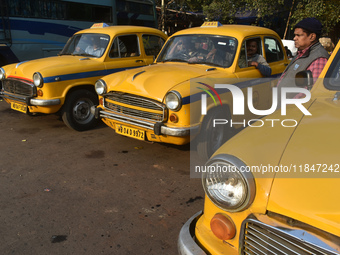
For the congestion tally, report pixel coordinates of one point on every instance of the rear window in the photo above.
(273, 50)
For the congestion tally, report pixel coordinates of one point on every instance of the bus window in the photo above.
(40, 28)
(51, 9)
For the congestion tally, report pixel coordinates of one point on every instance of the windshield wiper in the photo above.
(205, 63)
(84, 54)
(174, 60)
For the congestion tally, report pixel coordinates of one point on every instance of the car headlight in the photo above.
(173, 100)
(100, 87)
(2, 74)
(38, 80)
(228, 184)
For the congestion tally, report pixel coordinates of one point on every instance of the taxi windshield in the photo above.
(91, 45)
(200, 49)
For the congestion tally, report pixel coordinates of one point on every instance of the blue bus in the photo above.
(31, 29)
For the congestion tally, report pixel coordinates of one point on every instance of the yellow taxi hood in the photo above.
(153, 81)
(311, 195)
(55, 65)
(270, 135)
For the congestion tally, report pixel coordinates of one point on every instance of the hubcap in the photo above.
(81, 111)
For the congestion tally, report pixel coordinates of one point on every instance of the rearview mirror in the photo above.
(304, 79)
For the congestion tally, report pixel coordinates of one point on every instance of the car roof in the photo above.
(122, 29)
(237, 31)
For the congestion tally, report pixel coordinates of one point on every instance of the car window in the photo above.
(93, 45)
(254, 47)
(332, 78)
(125, 46)
(200, 49)
(273, 50)
(152, 44)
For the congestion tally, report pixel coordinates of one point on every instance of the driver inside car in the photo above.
(95, 49)
(182, 49)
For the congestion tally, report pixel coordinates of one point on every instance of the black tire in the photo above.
(76, 112)
(211, 138)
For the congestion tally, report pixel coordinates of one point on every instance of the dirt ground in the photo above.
(93, 192)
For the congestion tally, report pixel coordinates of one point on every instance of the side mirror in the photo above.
(304, 79)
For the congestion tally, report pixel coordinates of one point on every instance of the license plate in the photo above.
(130, 132)
(19, 107)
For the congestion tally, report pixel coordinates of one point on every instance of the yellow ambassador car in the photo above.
(153, 103)
(65, 83)
(281, 195)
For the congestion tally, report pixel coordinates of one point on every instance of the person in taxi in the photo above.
(221, 54)
(215, 56)
(95, 49)
(311, 54)
(255, 59)
(182, 50)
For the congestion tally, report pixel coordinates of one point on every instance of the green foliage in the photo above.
(327, 11)
(222, 11)
(196, 5)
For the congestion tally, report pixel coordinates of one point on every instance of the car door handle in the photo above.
(139, 61)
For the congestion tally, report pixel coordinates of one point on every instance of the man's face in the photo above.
(301, 39)
(182, 44)
(251, 48)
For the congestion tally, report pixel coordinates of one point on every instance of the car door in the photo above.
(125, 52)
(251, 77)
(274, 54)
(151, 45)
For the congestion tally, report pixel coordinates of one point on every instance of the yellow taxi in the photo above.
(153, 103)
(279, 191)
(65, 83)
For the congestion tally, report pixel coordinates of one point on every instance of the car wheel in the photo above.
(211, 138)
(76, 112)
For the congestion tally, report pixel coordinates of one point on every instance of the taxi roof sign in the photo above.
(211, 24)
(99, 25)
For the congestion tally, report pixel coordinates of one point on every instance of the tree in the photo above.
(223, 11)
(326, 11)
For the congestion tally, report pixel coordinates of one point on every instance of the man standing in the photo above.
(95, 49)
(311, 55)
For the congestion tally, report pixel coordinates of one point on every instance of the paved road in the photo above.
(93, 192)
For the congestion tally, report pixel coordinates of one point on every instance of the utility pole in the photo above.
(287, 25)
(163, 16)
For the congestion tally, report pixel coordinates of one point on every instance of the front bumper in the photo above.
(30, 101)
(186, 243)
(158, 128)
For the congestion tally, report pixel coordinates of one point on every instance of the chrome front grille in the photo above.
(19, 87)
(134, 106)
(135, 101)
(259, 238)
